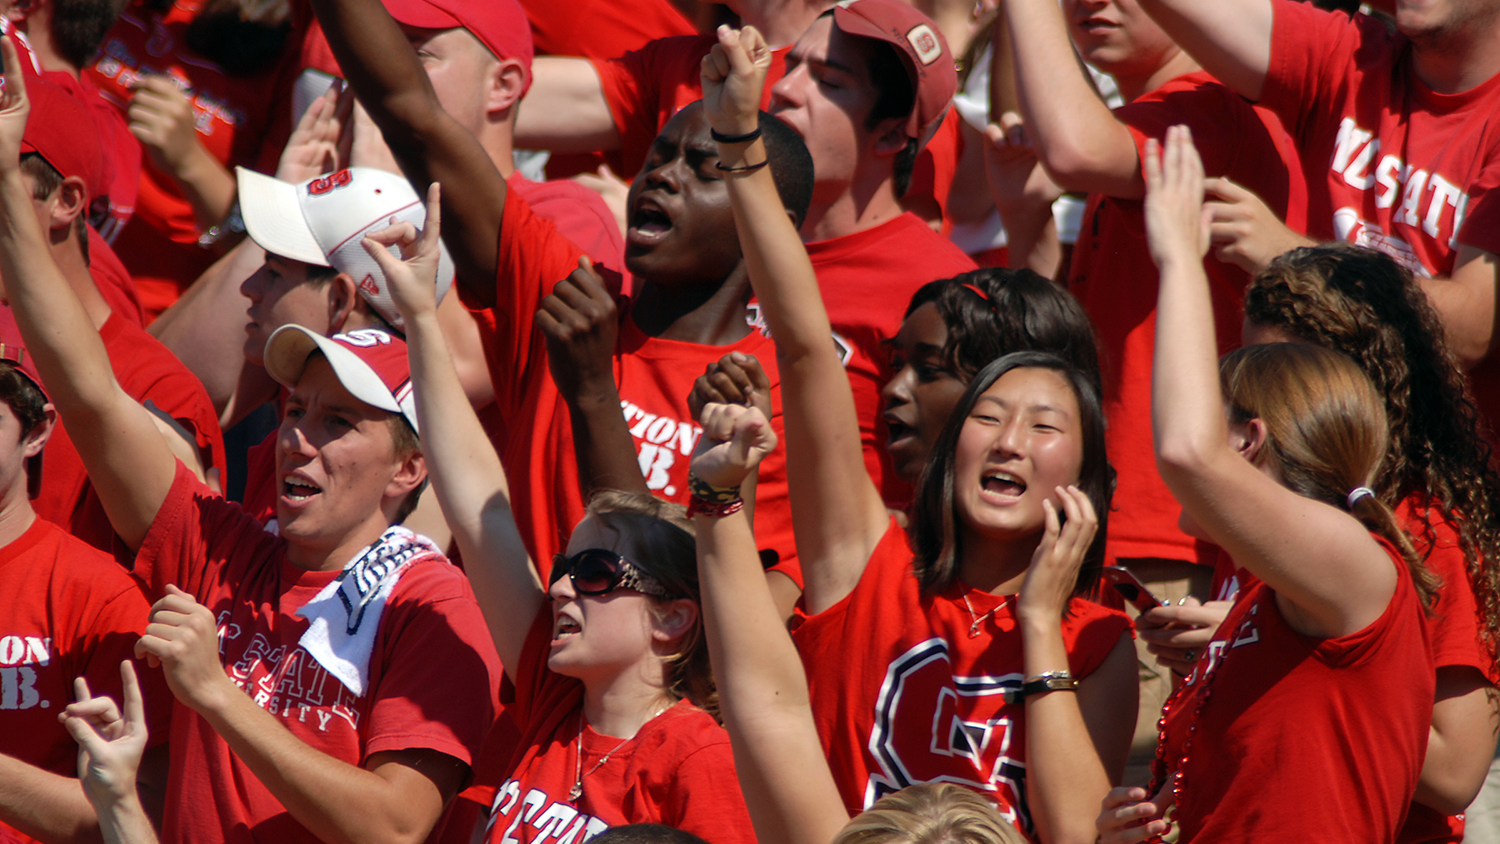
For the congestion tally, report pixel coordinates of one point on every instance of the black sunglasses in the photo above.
(599, 571)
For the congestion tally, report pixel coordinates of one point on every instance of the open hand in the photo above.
(412, 279)
(162, 118)
(1053, 572)
(183, 639)
(733, 75)
(580, 323)
(1177, 224)
(319, 144)
(735, 439)
(1018, 184)
(1127, 817)
(14, 107)
(736, 378)
(110, 743)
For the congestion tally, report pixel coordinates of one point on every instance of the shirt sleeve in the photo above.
(439, 673)
(713, 807)
(193, 539)
(110, 639)
(1311, 54)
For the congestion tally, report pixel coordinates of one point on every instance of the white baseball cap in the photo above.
(323, 220)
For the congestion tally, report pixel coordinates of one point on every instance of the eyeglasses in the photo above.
(599, 571)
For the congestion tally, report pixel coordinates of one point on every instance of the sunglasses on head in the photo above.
(599, 571)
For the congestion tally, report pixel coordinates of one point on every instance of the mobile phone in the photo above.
(1132, 590)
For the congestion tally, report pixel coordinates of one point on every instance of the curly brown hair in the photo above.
(1365, 305)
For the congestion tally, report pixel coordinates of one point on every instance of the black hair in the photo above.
(79, 26)
(646, 833)
(1011, 311)
(937, 543)
(896, 96)
(791, 165)
(22, 396)
(45, 180)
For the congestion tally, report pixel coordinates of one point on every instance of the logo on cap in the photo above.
(368, 285)
(365, 338)
(925, 42)
(318, 187)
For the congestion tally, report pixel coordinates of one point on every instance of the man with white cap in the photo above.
(316, 274)
(332, 683)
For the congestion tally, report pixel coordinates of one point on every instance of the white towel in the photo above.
(346, 614)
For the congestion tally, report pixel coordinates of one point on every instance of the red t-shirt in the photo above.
(678, 770)
(599, 29)
(903, 695)
(1335, 727)
(645, 87)
(113, 281)
(654, 377)
(147, 372)
(1452, 628)
(160, 243)
(1113, 276)
(66, 611)
(867, 279)
(1391, 164)
(432, 682)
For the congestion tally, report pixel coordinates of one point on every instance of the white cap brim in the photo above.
(286, 357)
(274, 219)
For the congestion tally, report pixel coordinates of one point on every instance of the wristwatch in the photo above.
(1052, 681)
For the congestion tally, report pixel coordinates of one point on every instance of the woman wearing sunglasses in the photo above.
(613, 686)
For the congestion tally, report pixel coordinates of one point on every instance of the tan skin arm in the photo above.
(1231, 39)
(1466, 303)
(565, 110)
(838, 516)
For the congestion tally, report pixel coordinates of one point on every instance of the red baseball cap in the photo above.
(500, 25)
(922, 47)
(13, 351)
(62, 132)
(370, 363)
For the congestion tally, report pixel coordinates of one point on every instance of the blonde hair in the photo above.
(930, 813)
(1326, 431)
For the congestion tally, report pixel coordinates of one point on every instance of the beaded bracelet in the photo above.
(699, 488)
(715, 509)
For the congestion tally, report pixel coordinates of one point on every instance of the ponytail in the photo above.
(1379, 520)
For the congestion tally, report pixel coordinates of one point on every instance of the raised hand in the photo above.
(733, 75)
(110, 743)
(183, 639)
(14, 107)
(162, 119)
(1054, 566)
(319, 144)
(412, 278)
(735, 439)
(737, 378)
(1127, 817)
(580, 322)
(1016, 178)
(1177, 224)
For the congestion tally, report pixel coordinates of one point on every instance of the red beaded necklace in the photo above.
(1204, 685)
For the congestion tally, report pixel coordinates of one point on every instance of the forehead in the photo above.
(1033, 388)
(924, 326)
(443, 40)
(689, 126)
(592, 533)
(826, 44)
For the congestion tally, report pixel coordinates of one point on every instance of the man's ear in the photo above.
(675, 622)
(890, 136)
(343, 298)
(409, 475)
(21, 10)
(504, 83)
(68, 201)
(37, 437)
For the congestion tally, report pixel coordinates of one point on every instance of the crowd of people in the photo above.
(640, 421)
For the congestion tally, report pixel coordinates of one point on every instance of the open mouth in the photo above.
(896, 430)
(297, 489)
(1003, 484)
(648, 223)
(564, 628)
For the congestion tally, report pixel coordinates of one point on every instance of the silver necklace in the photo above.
(974, 627)
(577, 790)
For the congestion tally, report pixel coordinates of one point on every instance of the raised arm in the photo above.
(1077, 138)
(126, 458)
(1319, 559)
(465, 471)
(1231, 39)
(837, 514)
(778, 758)
(565, 110)
(429, 144)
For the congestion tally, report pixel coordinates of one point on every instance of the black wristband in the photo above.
(748, 168)
(735, 139)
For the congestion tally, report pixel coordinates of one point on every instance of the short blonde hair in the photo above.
(930, 813)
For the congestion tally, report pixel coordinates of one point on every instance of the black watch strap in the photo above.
(1052, 681)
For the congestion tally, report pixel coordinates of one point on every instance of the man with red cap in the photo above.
(66, 611)
(61, 158)
(332, 682)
